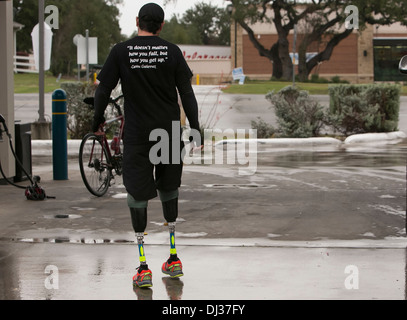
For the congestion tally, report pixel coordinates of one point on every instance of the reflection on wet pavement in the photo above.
(357, 157)
(105, 272)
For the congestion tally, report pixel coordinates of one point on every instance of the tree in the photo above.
(100, 17)
(209, 21)
(202, 24)
(176, 31)
(326, 21)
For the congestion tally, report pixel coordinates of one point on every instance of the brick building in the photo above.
(363, 57)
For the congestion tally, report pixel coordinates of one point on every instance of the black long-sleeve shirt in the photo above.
(151, 71)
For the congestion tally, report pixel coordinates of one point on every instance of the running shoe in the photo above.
(143, 278)
(173, 269)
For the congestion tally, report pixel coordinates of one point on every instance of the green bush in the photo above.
(264, 130)
(80, 116)
(337, 79)
(298, 115)
(364, 108)
(316, 79)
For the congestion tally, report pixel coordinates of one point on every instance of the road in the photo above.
(234, 111)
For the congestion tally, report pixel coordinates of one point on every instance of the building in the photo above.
(363, 57)
(209, 64)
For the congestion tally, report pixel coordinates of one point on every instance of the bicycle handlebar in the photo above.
(91, 101)
(111, 100)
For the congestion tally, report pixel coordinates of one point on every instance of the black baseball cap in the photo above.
(151, 11)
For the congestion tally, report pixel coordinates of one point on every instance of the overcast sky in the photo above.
(130, 8)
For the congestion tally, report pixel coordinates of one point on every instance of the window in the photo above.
(387, 54)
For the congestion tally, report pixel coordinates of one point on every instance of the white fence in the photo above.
(24, 64)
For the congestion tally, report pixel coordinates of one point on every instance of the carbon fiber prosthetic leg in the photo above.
(170, 210)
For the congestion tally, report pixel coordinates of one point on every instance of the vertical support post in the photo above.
(235, 42)
(59, 135)
(41, 41)
(87, 55)
(294, 45)
(7, 84)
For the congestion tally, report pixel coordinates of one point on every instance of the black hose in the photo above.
(10, 182)
(15, 156)
(19, 163)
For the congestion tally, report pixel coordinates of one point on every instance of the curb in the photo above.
(377, 138)
(286, 142)
(366, 139)
(44, 147)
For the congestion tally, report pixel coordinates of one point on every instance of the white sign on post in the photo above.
(81, 50)
(47, 45)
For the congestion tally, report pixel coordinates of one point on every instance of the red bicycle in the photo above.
(99, 160)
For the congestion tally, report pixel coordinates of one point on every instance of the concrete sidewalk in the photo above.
(323, 223)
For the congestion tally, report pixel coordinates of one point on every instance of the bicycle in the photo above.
(100, 161)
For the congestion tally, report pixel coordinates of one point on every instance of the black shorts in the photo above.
(142, 178)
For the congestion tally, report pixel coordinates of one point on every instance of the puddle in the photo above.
(83, 209)
(120, 196)
(69, 240)
(240, 186)
(63, 216)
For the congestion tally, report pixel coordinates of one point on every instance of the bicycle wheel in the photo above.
(94, 166)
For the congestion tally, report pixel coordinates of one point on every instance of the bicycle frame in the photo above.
(109, 163)
(105, 141)
(102, 133)
(97, 161)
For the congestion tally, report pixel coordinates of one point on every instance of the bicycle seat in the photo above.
(90, 101)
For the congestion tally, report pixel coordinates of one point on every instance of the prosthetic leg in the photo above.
(138, 213)
(169, 200)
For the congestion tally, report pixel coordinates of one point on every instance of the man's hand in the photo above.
(197, 149)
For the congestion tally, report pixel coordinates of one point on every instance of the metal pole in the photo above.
(87, 55)
(7, 85)
(41, 62)
(294, 44)
(235, 43)
(59, 135)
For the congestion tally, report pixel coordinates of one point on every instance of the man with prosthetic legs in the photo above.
(153, 73)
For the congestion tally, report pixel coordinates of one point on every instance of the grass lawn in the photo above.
(28, 83)
(263, 87)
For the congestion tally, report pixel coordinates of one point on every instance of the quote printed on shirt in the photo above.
(147, 57)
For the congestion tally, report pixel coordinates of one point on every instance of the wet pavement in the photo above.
(311, 223)
(314, 221)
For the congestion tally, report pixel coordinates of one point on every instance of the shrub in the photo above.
(316, 79)
(298, 116)
(337, 79)
(364, 108)
(264, 130)
(80, 116)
